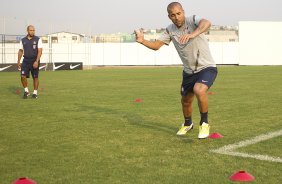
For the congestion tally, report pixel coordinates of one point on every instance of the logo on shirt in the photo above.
(34, 45)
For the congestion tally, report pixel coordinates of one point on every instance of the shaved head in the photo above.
(176, 13)
(29, 26)
(30, 30)
(173, 5)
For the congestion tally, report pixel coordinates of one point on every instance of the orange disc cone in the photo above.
(18, 91)
(138, 100)
(242, 176)
(24, 181)
(211, 93)
(215, 136)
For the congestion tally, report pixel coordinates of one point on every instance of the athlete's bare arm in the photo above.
(155, 45)
(203, 26)
(20, 54)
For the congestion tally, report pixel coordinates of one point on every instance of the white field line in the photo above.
(230, 149)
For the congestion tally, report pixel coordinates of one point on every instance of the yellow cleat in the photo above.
(204, 131)
(184, 129)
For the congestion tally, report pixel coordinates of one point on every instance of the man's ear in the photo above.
(168, 16)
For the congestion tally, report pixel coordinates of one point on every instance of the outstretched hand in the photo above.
(139, 36)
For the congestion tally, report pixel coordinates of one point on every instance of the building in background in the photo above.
(215, 34)
(64, 37)
(114, 38)
(149, 34)
(223, 34)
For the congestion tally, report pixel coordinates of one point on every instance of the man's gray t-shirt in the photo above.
(195, 54)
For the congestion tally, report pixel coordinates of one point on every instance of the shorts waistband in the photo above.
(27, 58)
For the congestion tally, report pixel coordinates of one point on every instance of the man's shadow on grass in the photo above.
(15, 90)
(135, 120)
(19, 91)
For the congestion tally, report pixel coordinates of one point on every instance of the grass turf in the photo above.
(86, 128)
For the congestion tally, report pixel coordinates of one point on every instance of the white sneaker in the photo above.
(204, 131)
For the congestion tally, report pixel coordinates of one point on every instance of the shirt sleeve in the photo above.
(164, 37)
(40, 45)
(21, 45)
(196, 19)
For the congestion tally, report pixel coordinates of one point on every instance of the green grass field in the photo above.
(86, 128)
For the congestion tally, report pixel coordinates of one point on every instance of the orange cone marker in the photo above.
(242, 176)
(138, 100)
(216, 136)
(24, 181)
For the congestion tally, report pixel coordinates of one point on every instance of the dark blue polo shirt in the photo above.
(30, 48)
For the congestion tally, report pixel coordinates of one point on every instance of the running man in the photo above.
(31, 50)
(199, 71)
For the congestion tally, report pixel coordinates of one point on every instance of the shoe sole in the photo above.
(203, 137)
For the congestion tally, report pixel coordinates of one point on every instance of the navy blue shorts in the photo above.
(206, 76)
(27, 68)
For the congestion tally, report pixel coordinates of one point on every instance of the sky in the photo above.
(113, 16)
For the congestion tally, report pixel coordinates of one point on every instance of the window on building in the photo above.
(54, 39)
(74, 37)
(44, 41)
(232, 40)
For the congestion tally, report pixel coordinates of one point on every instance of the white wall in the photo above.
(123, 54)
(11, 53)
(225, 52)
(260, 43)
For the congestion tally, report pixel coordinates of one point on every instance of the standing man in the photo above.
(199, 71)
(31, 50)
